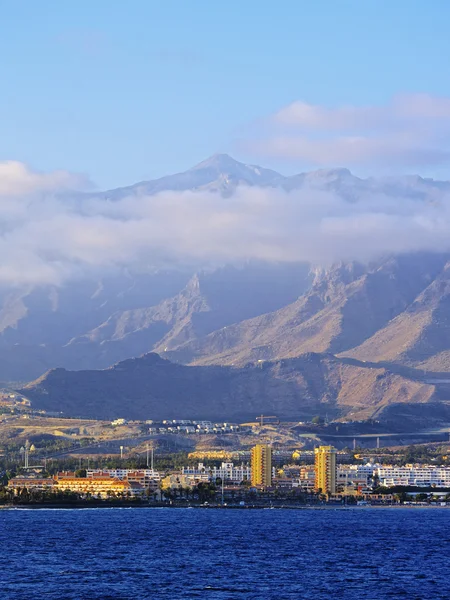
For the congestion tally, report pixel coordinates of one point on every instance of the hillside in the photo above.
(419, 336)
(210, 300)
(152, 388)
(345, 306)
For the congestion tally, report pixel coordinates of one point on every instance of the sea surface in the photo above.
(354, 553)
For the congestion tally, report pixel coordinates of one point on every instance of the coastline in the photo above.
(80, 506)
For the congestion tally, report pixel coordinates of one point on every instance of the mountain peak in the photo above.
(218, 161)
(330, 174)
(224, 170)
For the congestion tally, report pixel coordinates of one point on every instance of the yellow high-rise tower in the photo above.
(325, 469)
(261, 462)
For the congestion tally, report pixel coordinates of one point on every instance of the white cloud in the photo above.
(46, 238)
(53, 239)
(16, 179)
(411, 130)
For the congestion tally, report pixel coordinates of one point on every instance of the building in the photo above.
(261, 465)
(307, 478)
(186, 428)
(99, 486)
(148, 475)
(360, 476)
(414, 475)
(228, 472)
(325, 469)
(179, 480)
(31, 483)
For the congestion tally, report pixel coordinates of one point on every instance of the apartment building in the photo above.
(325, 469)
(414, 475)
(227, 471)
(147, 474)
(261, 465)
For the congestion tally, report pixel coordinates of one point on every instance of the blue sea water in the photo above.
(123, 554)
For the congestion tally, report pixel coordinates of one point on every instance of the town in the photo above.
(50, 459)
(324, 476)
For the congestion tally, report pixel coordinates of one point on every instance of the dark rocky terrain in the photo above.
(297, 388)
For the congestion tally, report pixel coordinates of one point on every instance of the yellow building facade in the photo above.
(99, 486)
(261, 465)
(325, 469)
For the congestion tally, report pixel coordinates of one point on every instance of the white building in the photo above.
(186, 429)
(226, 472)
(417, 475)
(356, 474)
(148, 474)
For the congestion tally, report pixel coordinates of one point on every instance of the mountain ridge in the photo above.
(222, 173)
(152, 387)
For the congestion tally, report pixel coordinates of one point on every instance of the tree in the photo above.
(401, 496)
(421, 497)
(205, 491)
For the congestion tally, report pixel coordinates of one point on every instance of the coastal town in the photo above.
(323, 476)
(49, 459)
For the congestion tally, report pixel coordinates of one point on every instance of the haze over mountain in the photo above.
(220, 212)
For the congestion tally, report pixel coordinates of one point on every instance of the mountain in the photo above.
(420, 335)
(210, 300)
(258, 336)
(222, 173)
(93, 324)
(36, 323)
(346, 305)
(219, 173)
(152, 388)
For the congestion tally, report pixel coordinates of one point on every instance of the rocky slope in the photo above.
(420, 335)
(209, 301)
(345, 306)
(153, 388)
(93, 324)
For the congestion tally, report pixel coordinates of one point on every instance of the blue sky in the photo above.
(132, 91)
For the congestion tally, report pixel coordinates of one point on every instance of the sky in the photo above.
(122, 92)
(103, 94)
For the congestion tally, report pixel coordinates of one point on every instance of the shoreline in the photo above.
(69, 506)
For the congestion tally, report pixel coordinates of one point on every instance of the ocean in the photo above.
(124, 554)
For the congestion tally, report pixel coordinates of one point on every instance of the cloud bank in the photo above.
(48, 239)
(412, 130)
(17, 179)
